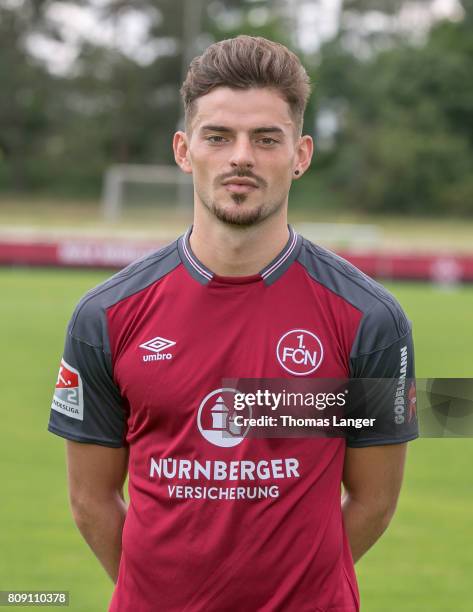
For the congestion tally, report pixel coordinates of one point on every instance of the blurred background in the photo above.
(89, 102)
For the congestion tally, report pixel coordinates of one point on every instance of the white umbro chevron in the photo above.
(158, 344)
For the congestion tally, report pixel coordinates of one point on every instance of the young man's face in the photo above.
(242, 151)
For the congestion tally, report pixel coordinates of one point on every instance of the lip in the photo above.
(240, 180)
(240, 185)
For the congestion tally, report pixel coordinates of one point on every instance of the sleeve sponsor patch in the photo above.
(68, 395)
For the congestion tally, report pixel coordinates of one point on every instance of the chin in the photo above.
(239, 214)
(238, 211)
(240, 218)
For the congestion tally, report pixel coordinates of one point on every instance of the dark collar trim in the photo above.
(191, 258)
(266, 272)
(269, 274)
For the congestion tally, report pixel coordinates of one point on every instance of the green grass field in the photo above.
(423, 563)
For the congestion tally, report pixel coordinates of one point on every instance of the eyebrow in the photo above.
(273, 129)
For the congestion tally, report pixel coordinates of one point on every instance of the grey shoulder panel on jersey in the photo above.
(383, 322)
(382, 348)
(88, 321)
(87, 406)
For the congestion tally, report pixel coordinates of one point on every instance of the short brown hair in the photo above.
(245, 62)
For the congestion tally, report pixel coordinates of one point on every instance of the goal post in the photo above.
(169, 192)
(118, 175)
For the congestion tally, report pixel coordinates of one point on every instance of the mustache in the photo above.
(242, 174)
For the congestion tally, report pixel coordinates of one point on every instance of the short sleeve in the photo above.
(383, 379)
(87, 406)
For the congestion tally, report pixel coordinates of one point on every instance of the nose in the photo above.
(242, 155)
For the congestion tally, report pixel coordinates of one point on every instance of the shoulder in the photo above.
(87, 322)
(383, 321)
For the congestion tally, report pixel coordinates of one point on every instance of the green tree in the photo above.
(406, 141)
(114, 105)
(27, 99)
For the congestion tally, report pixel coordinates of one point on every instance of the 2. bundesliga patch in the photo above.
(68, 395)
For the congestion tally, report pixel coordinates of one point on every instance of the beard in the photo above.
(241, 215)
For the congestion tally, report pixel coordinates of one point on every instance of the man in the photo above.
(217, 520)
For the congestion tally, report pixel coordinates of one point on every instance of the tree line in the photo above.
(392, 114)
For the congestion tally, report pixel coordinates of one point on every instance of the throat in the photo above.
(238, 254)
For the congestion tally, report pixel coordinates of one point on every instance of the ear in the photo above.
(303, 157)
(181, 152)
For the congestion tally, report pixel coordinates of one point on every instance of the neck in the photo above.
(238, 251)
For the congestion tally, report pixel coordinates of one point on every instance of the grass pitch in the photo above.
(424, 561)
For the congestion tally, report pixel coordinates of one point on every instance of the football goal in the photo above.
(133, 187)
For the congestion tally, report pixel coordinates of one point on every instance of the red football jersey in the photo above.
(218, 521)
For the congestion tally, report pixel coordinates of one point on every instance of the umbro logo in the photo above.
(156, 347)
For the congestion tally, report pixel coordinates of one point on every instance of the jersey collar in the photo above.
(269, 274)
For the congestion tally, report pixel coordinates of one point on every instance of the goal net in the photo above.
(159, 199)
(142, 192)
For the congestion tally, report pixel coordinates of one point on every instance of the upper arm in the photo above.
(94, 471)
(373, 475)
(383, 385)
(87, 405)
